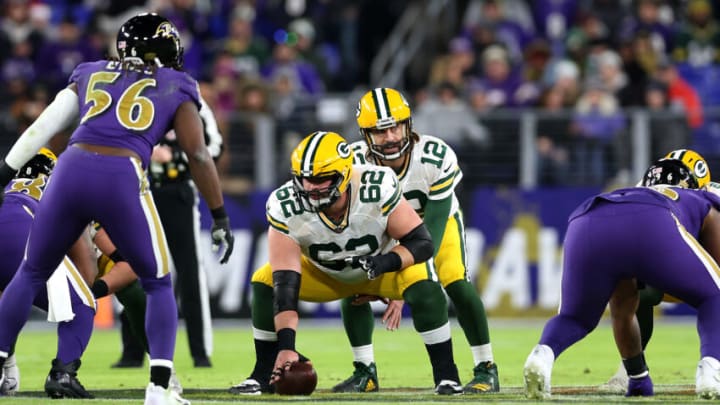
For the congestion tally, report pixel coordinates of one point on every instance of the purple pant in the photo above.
(112, 190)
(617, 241)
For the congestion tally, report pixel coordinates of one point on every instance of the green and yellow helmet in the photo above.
(42, 163)
(321, 156)
(383, 108)
(694, 162)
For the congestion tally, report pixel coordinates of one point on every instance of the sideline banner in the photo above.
(514, 251)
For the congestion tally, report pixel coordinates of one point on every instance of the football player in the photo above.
(649, 297)
(641, 233)
(21, 198)
(125, 106)
(428, 172)
(344, 230)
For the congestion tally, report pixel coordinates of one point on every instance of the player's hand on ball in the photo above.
(298, 378)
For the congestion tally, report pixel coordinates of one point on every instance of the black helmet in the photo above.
(152, 39)
(672, 172)
(41, 164)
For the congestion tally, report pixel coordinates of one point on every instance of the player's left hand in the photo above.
(393, 314)
(222, 238)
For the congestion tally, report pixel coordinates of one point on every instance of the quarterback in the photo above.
(428, 172)
(344, 230)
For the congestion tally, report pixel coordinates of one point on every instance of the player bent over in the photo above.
(344, 230)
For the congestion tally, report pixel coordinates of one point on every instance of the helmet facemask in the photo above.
(380, 150)
(317, 199)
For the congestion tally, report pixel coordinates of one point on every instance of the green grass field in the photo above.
(403, 367)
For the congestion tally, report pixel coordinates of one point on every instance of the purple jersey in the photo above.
(129, 108)
(25, 191)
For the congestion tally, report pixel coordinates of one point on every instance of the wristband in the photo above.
(99, 288)
(219, 212)
(286, 339)
(116, 257)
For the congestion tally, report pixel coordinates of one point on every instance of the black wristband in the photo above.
(219, 212)
(99, 288)
(116, 257)
(388, 262)
(286, 339)
(6, 173)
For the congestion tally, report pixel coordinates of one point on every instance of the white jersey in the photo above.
(713, 187)
(432, 172)
(374, 194)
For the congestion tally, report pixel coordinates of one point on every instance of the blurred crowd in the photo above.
(581, 63)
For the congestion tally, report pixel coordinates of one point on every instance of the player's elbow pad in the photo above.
(419, 243)
(286, 290)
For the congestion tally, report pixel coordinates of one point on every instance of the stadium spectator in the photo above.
(698, 39)
(503, 85)
(649, 19)
(668, 127)
(553, 19)
(18, 25)
(667, 224)
(249, 51)
(681, 93)
(509, 20)
(314, 208)
(553, 140)
(597, 124)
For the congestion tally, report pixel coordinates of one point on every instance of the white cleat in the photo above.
(11, 381)
(157, 395)
(707, 378)
(618, 383)
(174, 383)
(537, 372)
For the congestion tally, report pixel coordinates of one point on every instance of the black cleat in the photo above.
(62, 381)
(251, 386)
(202, 362)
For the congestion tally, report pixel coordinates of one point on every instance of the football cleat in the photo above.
(537, 372)
(251, 386)
(62, 381)
(174, 383)
(640, 387)
(485, 379)
(10, 383)
(618, 383)
(448, 387)
(157, 395)
(363, 379)
(707, 378)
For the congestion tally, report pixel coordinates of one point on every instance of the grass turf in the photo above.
(403, 366)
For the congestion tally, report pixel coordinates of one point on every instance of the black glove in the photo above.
(375, 266)
(222, 237)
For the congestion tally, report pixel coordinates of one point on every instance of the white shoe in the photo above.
(537, 372)
(174, 383)
(618, 383)
(707, 378)
(157, 395)
(11, 382)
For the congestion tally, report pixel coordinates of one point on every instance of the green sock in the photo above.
(263, 317)
(133, 299)
(470, 312)
(359, 322)
(427, 304)
(649, 298)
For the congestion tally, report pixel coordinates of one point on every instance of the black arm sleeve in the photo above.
(419, 243)
(286, 290)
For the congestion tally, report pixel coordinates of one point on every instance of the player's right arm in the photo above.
(57, 116)
(284, 254)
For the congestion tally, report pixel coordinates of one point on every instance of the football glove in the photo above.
(222, 238)
(375, 266)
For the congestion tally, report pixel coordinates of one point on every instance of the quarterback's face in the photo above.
(389, 138)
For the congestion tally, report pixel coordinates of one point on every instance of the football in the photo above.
(300, 379)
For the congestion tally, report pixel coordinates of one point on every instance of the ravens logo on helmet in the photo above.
(672, 172)
(42, 163)
(152, 39)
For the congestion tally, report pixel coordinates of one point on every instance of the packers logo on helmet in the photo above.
(672, 172)
(322, 157)
(42, 163)
(695, 163)
(380, 109)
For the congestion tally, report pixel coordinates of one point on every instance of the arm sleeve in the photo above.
(436, 217)
(57, 116)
